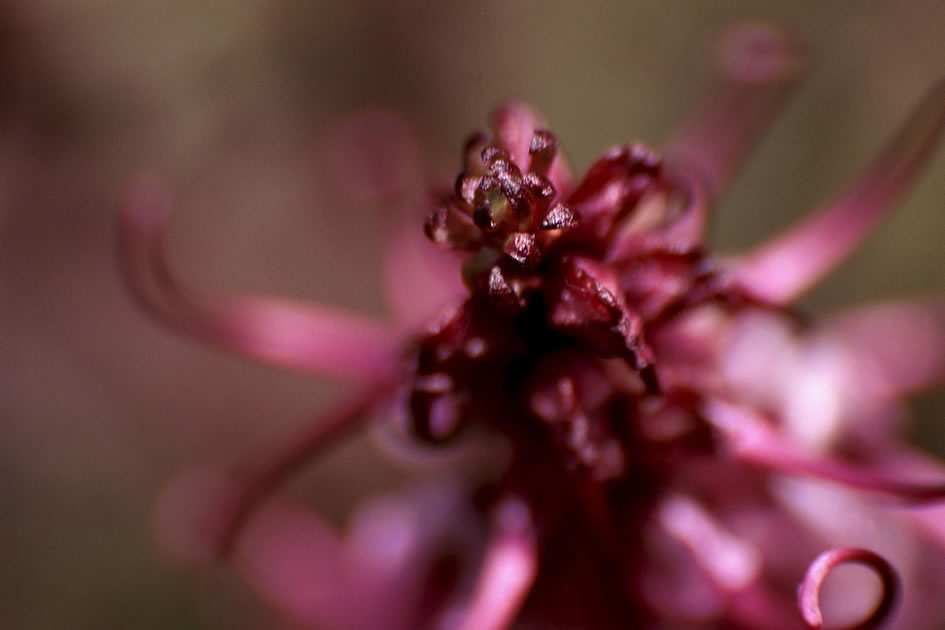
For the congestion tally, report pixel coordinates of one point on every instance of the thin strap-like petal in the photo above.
(783, 268)
(756, 65)
(904, 342)
(808, 592)
(288, 334)
(508, 571)
(257, 483)
(732, 563)
(754, 441)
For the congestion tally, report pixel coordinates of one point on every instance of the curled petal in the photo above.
(783, 268)
(373, 155)
(508, 571)
(904, 342)
(754, 440)
(808, 592)
(284, 333)
(756, 65)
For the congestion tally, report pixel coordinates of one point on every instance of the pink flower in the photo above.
(660, 440)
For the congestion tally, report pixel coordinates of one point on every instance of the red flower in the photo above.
(668, 443)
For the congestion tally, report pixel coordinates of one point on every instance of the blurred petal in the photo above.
(902, 342)
(756, 65)
(375, 157)
(783, 268)
(754, 441)
(421, 279)
(508, 571)
(284, 459)
(732, 563)
(190, 515)
(292, 559)
(514, 125)
(284, 333)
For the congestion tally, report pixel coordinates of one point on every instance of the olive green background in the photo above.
(231, 101)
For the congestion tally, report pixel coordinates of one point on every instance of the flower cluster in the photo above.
(676, 446)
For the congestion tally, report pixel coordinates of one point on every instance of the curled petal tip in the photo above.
(295, 336)
(756, 52)
(808, 592)
(756, 64)
(373, 154)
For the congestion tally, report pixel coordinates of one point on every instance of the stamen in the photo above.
(757, 63)
(284, 459)
(753, 441)
(808, 592)
(781, 269)
(288, 334)
(508, 570)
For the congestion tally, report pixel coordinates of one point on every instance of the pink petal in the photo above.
(284, 333)
(421, 279)
(376, 158)
(293, 560)
(783, 268)
(190, 515)
(930, 519)
(902, 342)
(508, 571)
(732, 563)
(258, 482)
(513, 125)
(756, 65)
(753, 440)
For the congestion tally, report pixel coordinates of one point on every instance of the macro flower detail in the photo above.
(669, 443)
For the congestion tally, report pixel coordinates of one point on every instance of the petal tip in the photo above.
(757, 52)
(146, 202)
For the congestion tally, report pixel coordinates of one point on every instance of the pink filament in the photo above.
(808, 592)
(781, 269)
(284, 333)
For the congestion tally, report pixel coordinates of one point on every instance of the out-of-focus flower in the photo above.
(669, 443)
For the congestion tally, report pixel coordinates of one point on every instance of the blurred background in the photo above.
(233, 102)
